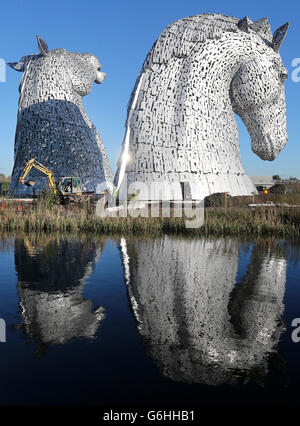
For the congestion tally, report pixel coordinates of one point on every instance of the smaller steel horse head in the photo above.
(81, 68)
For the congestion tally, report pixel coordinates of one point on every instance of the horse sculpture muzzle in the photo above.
(101, 76)
(267, 127)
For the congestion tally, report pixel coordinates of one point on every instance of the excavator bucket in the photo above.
(30, 182)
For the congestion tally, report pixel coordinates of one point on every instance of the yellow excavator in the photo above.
(67, 186)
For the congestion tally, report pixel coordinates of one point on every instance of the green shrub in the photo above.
(48, 198)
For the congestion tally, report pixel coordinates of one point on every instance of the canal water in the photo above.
(145, 321)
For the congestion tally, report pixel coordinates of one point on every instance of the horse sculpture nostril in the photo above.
(283, 76)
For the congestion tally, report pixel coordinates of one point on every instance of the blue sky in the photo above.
(120, 34)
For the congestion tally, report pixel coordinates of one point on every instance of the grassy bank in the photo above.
(277, 221)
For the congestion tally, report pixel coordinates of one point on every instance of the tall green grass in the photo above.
(277, 221)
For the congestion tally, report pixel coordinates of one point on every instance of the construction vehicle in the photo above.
(67, 186)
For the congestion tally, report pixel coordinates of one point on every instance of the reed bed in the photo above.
(275, 221)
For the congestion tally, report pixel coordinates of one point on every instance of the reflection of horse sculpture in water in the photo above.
(197, 325)
(180, 124)
(53, 126)
(51, 276)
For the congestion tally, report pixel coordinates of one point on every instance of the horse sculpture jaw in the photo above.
(267, 128)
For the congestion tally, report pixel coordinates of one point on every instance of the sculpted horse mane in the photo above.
(180, 124)
(52, 125)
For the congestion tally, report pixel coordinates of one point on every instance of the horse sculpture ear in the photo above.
(17, 66)
(42, 45)
(21, 65)
(279, 35)
(244, 24)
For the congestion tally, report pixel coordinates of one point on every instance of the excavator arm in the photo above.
(34, 163)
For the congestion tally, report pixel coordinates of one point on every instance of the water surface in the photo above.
(141, 321)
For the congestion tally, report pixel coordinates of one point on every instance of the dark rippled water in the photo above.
(138, 321)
